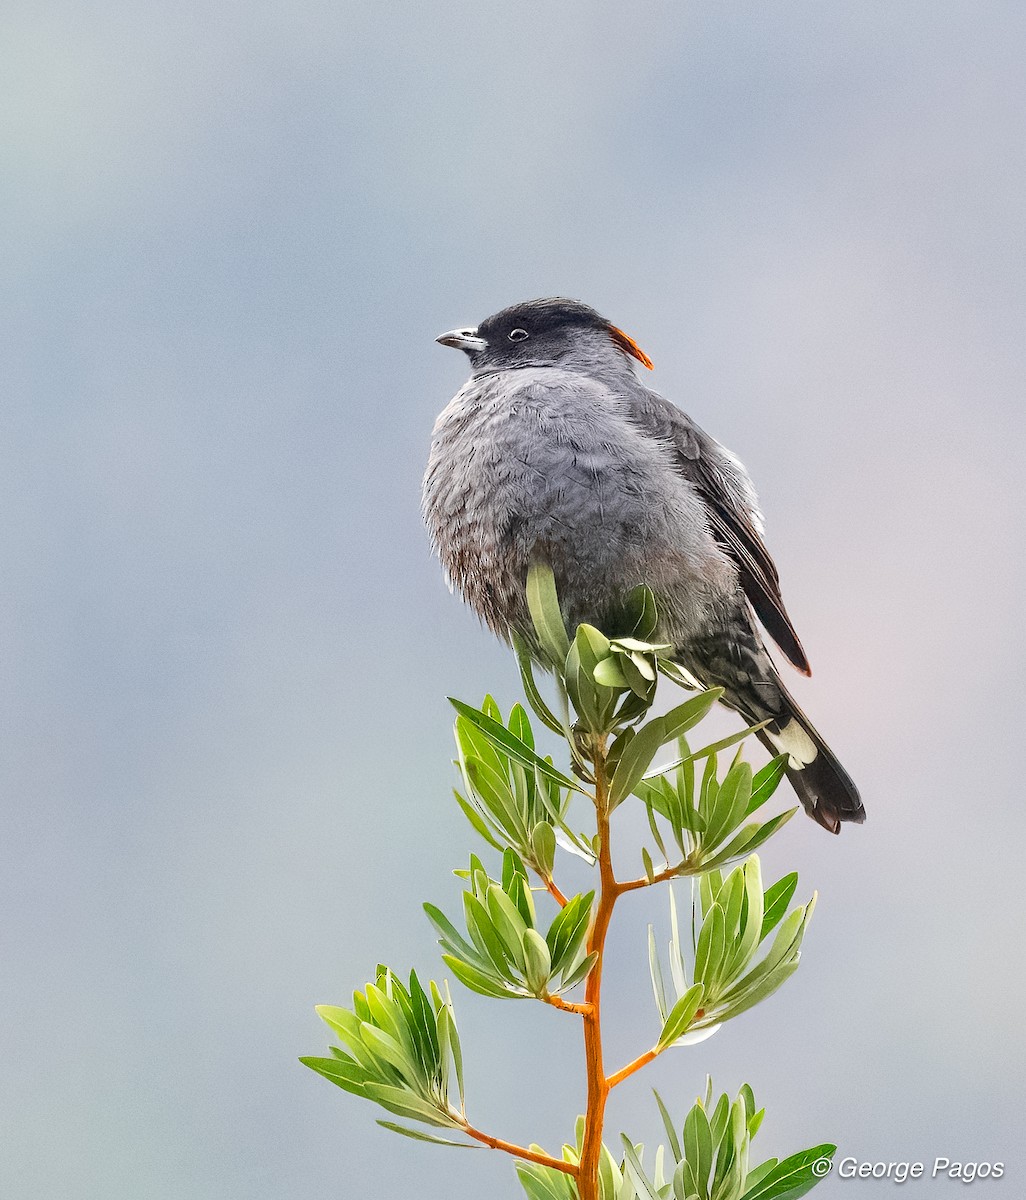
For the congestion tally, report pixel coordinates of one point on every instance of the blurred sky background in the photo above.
(231, 233)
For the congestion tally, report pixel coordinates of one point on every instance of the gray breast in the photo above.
(544, 462)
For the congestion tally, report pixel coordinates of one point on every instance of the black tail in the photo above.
(820, 782)
(736, 660)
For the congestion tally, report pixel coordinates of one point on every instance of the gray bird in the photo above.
(555, 450)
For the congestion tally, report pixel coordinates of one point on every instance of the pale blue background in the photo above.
(231, 234)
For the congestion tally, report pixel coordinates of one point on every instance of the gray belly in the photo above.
(512, 478)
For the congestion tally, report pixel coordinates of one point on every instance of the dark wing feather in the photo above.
(733, 513)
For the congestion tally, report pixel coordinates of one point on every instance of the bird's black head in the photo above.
(537, 333)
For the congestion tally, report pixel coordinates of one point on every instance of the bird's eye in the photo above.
(517, 335)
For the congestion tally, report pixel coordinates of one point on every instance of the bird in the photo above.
(555, 451)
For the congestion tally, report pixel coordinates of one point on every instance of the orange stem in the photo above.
(598, 1085)
(535, 1156)
(641, 1061)
(554, 891)
(630, 885)
(568, 1005)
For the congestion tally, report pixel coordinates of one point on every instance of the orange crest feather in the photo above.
(628, 344)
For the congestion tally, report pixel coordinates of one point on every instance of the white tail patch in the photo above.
(793, 741)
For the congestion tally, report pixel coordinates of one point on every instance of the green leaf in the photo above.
(635, 645)
(608, 674)
(341, 1020)
(495, 794)
(570, 955)
(512, 866)
(543, 843)
(451, 938)
(714, 747)
(427, 1137)
(543, 603)
(708, 791)
(633, 1168)
(475, 818)
(680, 676)
(360, 1010)
(749, 996)
(680, 1016)
(685, 1185)
(731, 900)
(645, 791)
(745, 940)
(750, 838)
(594, 701)
(718, 1121)
(534, 696)
(537, 961)
(637, 753)
(508, 922)
(522, 896)
(635, 757)
(792, 1177)
(386, 1048)
(346, 1075)
(520, 726)
(726, 1153)
(582, 690)
(666, 799)
(677, 969)
(708, 887)
(671, 1133)
(423, 1025)
(475, 979)
(765, 782)
(523, 782)
(365, 1065)
(730, 804)
(543, 1183)
(784, 951)
(385, 1011)
(455, 1048)
(641, 616)
(778, 897)
(757, 1174)
(580, 972)
(594, 644)
(656, 972)
(610, 1176)
(471, 743)
(405, 1104)
(766, 976)
(710, 949)
(493, 959)
(500, 736)
(698, 1144)
(732, 1162)
(568, 930)
(642, 665)
(685, 716)
(683, 819)
(634, 706)
(555, 805)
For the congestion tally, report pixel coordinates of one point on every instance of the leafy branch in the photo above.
(399, 1043)
(507, 956)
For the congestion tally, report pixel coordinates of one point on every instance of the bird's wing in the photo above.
(733, 511)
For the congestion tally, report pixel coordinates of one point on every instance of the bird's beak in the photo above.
(463, 339)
